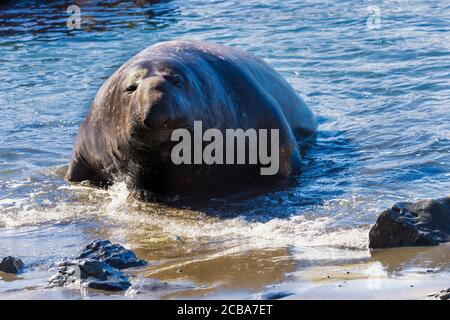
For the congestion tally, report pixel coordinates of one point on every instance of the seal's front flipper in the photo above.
(79, 171)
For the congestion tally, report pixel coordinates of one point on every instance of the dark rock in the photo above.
(275, 295)
(442, 295)
(91, 274)
(11, 265)
(97, 267)
(113, 254)
(423, 223)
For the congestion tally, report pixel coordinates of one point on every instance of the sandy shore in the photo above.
(401, 273)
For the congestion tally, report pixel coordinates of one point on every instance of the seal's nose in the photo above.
(156, 83)
(156, 116)
(156, 104)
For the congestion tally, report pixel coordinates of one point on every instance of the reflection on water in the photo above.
(381, 97)
(430, 260)
(46, 20)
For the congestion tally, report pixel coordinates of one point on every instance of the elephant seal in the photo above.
(127, 134)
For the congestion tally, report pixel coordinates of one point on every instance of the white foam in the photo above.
(308, 234)
(298, 231)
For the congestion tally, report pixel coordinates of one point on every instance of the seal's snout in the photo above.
(156, 103)
(155, 83)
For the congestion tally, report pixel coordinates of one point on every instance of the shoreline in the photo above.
(390, 274)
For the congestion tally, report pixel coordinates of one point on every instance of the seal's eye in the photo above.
(131, 88)
(175, 79)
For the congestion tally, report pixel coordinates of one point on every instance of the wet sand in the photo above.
(401, 273)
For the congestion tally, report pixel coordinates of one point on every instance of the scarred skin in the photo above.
(126, 134)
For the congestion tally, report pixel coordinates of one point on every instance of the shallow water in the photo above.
(382, 99)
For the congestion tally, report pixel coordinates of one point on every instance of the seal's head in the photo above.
(163, 88)
(150, 98)
(128, 128)
(156, 92)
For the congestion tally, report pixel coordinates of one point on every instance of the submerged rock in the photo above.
(97, 267)
(112, 254)
(154, 285)
(423, 223)
(11, 265)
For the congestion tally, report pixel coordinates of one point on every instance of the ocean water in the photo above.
(379, 85)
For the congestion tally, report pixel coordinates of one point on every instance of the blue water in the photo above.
(382, 97)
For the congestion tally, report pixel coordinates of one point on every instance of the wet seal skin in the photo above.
(126, 135)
